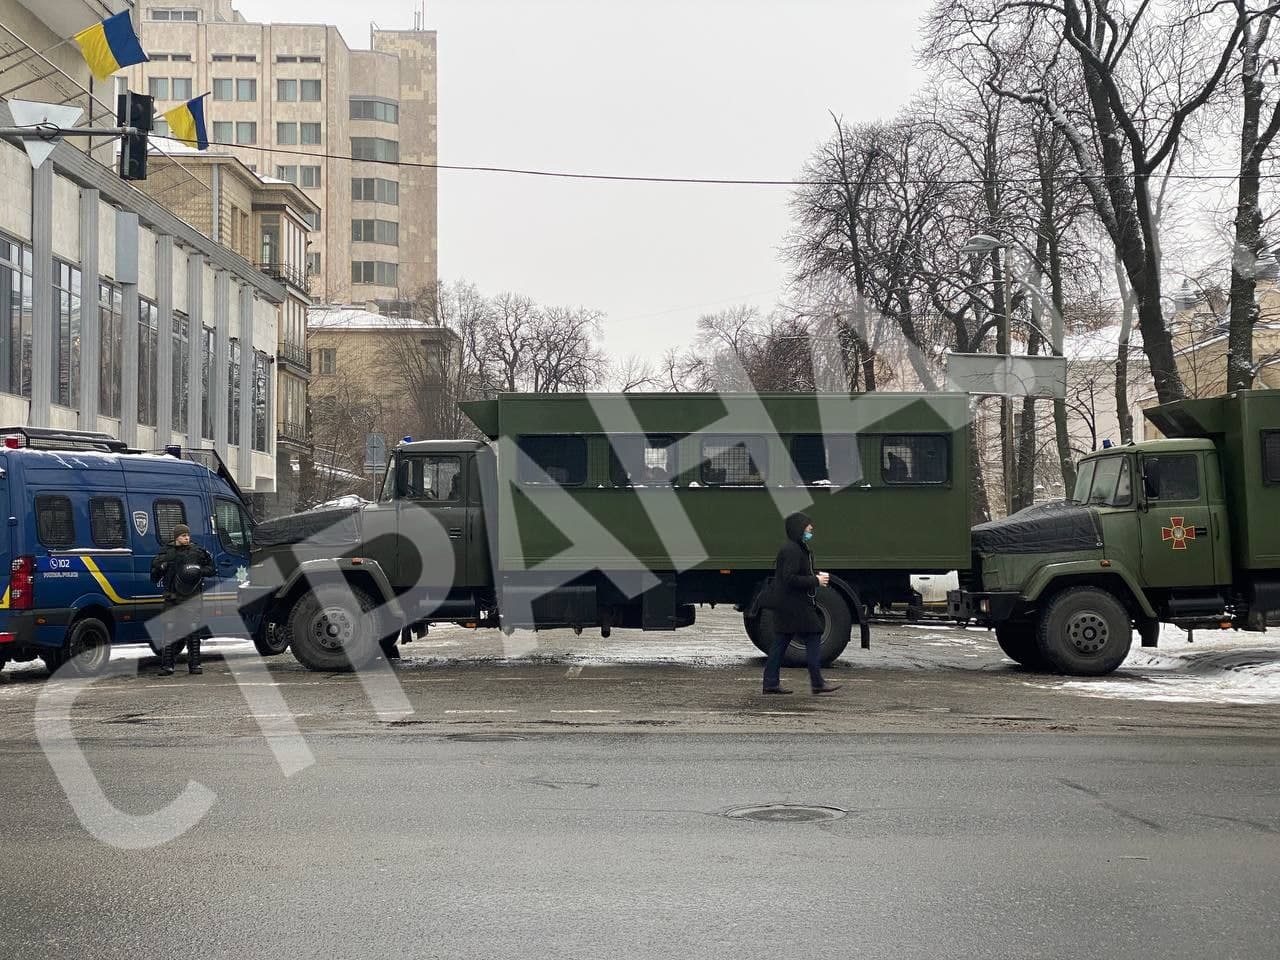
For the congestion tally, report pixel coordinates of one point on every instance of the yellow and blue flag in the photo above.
(186, 123)
(110, 45)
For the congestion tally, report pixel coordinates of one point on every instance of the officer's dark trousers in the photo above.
(813, 654)
(181, 622)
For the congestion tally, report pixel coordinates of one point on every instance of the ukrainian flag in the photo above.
(186, 123)
(110, 45)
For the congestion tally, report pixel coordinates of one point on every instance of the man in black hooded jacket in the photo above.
(180, 569)
(794, 606)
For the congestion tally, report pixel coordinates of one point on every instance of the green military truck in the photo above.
(595, 511)
(1183, 530)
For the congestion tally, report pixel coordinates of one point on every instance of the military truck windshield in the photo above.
(1110, 482)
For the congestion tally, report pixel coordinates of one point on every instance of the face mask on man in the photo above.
(808, 535)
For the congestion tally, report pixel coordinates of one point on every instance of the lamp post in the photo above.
(984, 243)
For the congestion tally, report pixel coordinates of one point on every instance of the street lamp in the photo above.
(984, 243)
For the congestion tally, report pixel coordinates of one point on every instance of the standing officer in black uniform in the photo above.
(180, 569)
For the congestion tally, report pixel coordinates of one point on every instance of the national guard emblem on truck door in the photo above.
(140, 522)
(1178, 532)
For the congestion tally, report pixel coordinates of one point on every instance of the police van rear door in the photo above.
(6, 553)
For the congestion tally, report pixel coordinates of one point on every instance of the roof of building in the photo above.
(358, 318)
(1100, 344)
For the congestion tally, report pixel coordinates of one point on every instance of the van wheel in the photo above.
(87, 650)
(331, 629)
(1018, 641)
(1085, 632)
(837, 624)
(273, 640)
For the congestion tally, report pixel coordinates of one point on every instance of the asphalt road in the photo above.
(568, 798)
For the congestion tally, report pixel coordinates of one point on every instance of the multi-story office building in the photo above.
(294, 101)
(267, 224)
(115, 314)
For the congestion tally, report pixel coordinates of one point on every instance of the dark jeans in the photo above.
(813, 653)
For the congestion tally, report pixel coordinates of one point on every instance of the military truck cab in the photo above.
(1177, 531)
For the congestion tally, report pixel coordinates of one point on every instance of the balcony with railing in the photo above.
(295, 354)
(287, 431)
(293, 274)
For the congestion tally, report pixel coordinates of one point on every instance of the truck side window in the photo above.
(106, 523)
(561, 457)
(168, 513)
(642, 460)
(1271, 456)
(432, 478)
(822, 460)
(55, 526)
(1171, 477)
(914, 459)
(733, 461)
(389, 481)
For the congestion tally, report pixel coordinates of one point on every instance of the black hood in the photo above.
(1059, 526)
(795, 526)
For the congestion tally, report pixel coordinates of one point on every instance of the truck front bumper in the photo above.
(984, 608)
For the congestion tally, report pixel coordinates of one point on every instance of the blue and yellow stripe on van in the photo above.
(4, 603)
(110, 591)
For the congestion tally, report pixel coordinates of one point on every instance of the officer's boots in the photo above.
(193, 656)
(166, 660)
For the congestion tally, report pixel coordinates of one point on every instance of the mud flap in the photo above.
(856, 608)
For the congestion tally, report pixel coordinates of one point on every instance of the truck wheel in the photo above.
(837, 624)
(87, 650)
(1085, 632)
(1018, 641)
(331, 630)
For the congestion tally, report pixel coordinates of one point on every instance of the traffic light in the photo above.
(134, 110)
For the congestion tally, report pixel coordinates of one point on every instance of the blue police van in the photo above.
(84, 518)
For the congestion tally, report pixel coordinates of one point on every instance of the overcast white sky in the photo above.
(699, 88)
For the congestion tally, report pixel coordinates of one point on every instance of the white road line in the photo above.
(482, 711)
(572, 672)
(586, 711)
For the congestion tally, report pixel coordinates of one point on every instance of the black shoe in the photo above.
(827, 688)
(166, 671)
(195, 668)
(777, 690)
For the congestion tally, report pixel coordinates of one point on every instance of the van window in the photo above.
(168, 514)
(55, 526)
(914, 458)
(648, 459)
(1271, 456)
(825, 459)
(106, 523)
(233, 531)
(562, 457)
(1171, 477)
(733, 461)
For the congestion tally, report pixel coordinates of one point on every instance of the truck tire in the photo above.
(86, 652)
(1084, 632)
(837, 625)
(331, 629)
(1018, 641)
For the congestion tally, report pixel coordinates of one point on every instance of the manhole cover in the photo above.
(484, 737)
(786, 813)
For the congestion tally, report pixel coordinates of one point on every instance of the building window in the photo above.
(561, 459)
(180, 402)
(246, 88)
(733, 461)
(157, 57)
(66, 339)
(160, 127)
(246, 132)
(282, 58)
(261, 398)
(174, 14)
(222, 88)
(376, 231)
(374, 271)
(286, 90)
(111, 332)
(310, 134)
(313, 264)
(221, 58)
(362, 109)
(15, 317)
(233, 393)
(313, 220)
(148, 351)
(206, 382)
(181, 88)
(158, 87)
(289, 173)
(914, 459)
(55, 523)
(310, 90)
(223, 131)
(106, 523)
(375, 190)
(180, 57)
(309, 176)
(328, 360)
(246, 58)
(311, 59)
(375, 148)
(287, 133)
